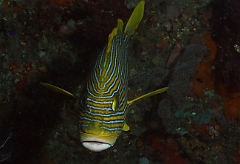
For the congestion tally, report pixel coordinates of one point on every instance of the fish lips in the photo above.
(97, 143)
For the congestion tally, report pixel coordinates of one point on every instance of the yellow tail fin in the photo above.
(131, 26)
(135, 18)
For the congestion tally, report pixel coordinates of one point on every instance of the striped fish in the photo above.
(103, 107)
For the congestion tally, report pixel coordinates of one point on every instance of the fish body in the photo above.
(103, 107)
(102, 117)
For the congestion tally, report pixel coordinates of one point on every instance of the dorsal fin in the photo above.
(114, 32)
(131, 26)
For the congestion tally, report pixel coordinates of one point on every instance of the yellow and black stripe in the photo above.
(107, 87)
(104, 110)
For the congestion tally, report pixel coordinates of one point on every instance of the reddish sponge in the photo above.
(168, 150)
(204, 79)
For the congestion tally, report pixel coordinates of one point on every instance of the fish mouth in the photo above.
(96, 146)
(97, 143)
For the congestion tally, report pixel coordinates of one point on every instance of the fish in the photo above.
(103, 106)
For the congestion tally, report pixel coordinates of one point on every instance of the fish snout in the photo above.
(97, 143)
(96, 146)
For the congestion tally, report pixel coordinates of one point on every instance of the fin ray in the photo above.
(148, 95)
(135, 18)
(57, 89)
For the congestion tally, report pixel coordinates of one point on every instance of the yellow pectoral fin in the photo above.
(57, 89)
(126, 127)
(148, 95)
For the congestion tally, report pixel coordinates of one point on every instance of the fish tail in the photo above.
(135, 19)
(130, 28)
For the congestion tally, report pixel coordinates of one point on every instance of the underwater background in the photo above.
(191, 46)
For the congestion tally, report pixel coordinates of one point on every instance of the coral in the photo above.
(226, 33)
(207, 15)
(169, 18)
(157, 60)
(200, 129)
(213, 131)
(167, 25)
(174, 55)
(148, 78)
(232, 107)
(202, 117)
(163, 42)
(236, 155)
(212, 47)
(183, 71)
(143, 160)
(168, 150)
(230, 72)
(166, 113)
(204, 78)
(177, 105)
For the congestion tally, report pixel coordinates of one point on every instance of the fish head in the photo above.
(100, 121)
(97, 142)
